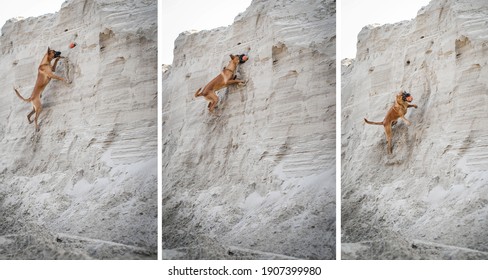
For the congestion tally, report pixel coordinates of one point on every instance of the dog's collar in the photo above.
(225, 68)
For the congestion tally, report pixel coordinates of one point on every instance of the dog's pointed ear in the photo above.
(48, 49)
(232, 56)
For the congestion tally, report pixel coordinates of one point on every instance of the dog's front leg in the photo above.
(412, 105)
(230, 82)
(405, 120)
(53, 68)
(53, 76)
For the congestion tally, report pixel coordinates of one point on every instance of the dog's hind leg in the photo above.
(211, 106)
(38, 110)
(214, 99)
(30, 114)
(388, 138)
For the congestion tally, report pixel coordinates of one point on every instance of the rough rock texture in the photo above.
(85, 186)
(257, 181)
(432, 190)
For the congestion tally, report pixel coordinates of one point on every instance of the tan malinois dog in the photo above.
(225, 78)
(44, 75)
(398, 110)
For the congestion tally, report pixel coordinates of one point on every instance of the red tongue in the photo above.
(244, 58)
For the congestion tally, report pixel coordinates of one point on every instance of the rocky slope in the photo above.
(428, 199)
(257, 181)
(85, 186)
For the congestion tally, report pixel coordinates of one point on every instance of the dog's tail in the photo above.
(198, 93)
(377, 123)
(20, 96)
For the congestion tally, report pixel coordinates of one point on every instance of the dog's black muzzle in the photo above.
(243, 58)
(405, 95)
(57, 54)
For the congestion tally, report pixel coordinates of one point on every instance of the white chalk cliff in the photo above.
(258, 181)
(85, 186)
(430, 198)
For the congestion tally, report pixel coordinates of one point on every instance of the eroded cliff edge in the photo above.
(259, 180)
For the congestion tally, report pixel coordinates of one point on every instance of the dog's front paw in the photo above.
(415, 106)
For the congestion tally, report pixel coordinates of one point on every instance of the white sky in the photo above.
(358, 13)
(27, 8)
(181, 15)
